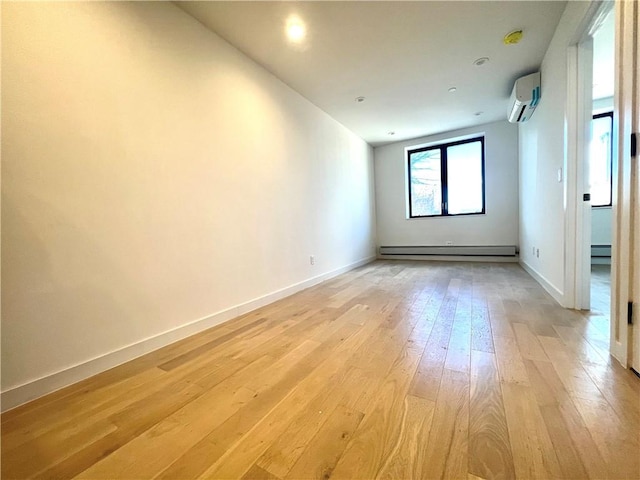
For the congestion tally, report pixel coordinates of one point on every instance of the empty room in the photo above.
(289, 240)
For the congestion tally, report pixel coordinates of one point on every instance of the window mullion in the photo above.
(443, 180)
(610, 159)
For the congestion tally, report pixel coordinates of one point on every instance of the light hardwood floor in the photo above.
(601, 290)
(394, 370)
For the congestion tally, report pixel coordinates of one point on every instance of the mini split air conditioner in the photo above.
(524, 98)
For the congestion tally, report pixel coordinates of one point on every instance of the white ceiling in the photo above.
(401, 56)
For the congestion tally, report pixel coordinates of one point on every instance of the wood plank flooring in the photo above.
(394, 370)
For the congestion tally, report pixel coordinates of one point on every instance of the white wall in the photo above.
(542, 153)
(153, 176)
(499, 226)
(601, 226)
(601, 220)
(602, 105)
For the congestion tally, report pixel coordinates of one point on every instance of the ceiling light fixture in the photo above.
(296, 29)
(359, 99)
(512, 38)
(452, 89)
(480, 61)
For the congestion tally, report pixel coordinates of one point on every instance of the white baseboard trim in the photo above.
(619, 352)
(546, 284)
(24, 393)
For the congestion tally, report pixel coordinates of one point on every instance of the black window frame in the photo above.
(610, 115)
(443, 176)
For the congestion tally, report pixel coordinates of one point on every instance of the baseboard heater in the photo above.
(451, 250)
(600, 251)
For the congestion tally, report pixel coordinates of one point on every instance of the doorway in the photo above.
(625, 209)
(600, 174)
(625, 243)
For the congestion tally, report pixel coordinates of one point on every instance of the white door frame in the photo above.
(634, 342)
(577, 268)
(626, 65)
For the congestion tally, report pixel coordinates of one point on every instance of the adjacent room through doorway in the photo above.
(600, 174)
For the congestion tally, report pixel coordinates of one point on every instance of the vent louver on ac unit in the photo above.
(525, 97)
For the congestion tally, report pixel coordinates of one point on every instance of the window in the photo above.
(447, 179)
(600, 160)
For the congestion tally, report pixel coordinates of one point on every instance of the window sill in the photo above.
(460, 215)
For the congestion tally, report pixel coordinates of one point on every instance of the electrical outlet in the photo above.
(537, 252)
(312, 260)
(449, 242)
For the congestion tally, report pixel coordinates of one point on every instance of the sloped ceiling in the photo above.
(401, 56)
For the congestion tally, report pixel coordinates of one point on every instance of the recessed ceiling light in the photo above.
(391, 133)
(359, 99)
(452, 89)
(296, 29)
(481, 61)
(512, 38)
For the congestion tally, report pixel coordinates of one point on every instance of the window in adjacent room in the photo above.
(600, 160)
(446, 179)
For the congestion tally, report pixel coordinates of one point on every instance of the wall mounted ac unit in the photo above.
(524, 98)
